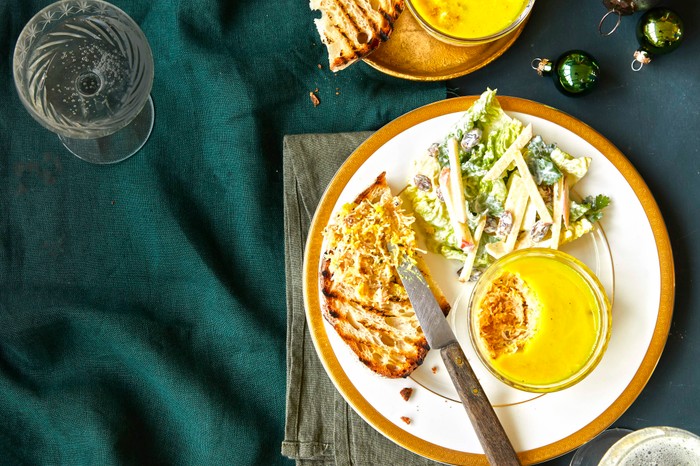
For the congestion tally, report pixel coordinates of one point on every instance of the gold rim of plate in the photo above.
(412, 53)
(325, 349)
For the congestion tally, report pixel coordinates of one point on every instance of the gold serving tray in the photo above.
(412, 53)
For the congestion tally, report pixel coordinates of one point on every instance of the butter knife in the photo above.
(493, 438)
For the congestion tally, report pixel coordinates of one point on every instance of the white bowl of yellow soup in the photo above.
(539, 319)
(470, 22)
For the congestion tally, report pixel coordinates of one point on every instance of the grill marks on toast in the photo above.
(351, 29)
(389, 341)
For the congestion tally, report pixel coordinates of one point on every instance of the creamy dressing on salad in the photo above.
(548, 167)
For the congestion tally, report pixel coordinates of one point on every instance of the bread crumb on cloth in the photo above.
(314, 99)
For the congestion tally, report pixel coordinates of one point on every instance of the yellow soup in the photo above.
(469, 19)
(549, 320)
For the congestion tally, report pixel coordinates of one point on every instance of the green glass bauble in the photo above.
(659, 31)
(575, 73)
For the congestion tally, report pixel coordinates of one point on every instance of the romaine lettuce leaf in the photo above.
(491, 198)
(574, 167)
(576, 230)
(499, 131)
(493, 144)
(431, 216)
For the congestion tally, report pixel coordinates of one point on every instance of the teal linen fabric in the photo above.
(142, 305)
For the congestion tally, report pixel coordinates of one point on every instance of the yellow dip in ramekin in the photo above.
(540, 320)
(469, 19)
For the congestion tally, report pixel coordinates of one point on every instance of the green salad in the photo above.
(490, 186)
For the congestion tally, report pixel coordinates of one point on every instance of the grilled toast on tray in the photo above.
(351, 29)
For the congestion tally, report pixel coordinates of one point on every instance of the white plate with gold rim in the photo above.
(630, 252)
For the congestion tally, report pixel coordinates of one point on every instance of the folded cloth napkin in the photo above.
(320, 427)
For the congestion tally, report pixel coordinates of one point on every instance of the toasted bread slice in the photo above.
(351, 29)
(376, 319)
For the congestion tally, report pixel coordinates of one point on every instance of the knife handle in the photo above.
(492, 436)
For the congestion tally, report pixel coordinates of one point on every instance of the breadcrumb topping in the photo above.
(357, 248)
(507, 315)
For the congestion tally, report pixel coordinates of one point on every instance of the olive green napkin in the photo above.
(320, 429)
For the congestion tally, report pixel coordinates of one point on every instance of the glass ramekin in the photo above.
(466, 42)
(603, 317)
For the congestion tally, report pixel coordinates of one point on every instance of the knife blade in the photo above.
(489, 430)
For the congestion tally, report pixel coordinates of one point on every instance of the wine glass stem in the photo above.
(126, 142)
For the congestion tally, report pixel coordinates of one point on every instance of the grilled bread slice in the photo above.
(364, 299)
(351, 29)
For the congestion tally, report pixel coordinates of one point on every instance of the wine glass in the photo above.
(84, 70)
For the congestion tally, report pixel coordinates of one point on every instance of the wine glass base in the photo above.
(590, 454)
(117, 146)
